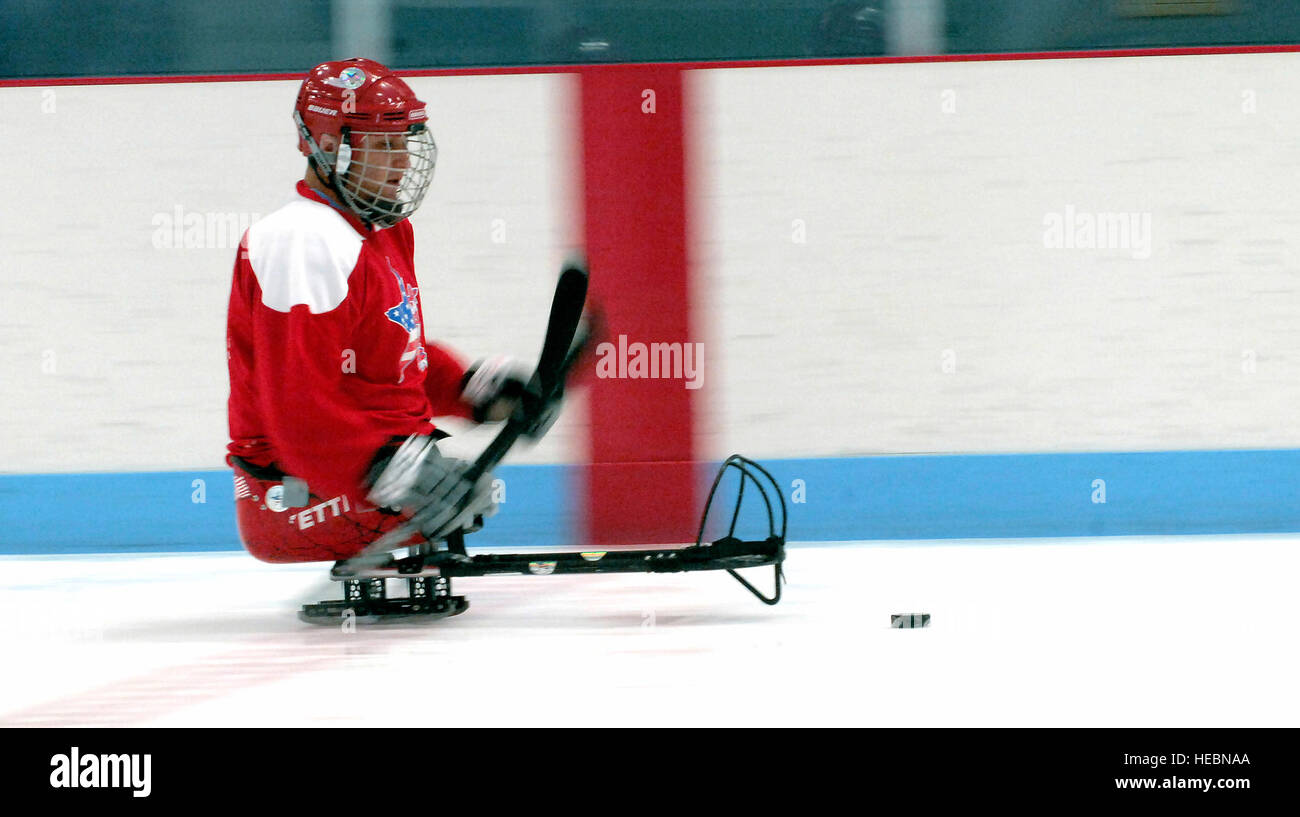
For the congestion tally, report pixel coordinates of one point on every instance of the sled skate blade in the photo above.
(366, 601)
(391, 611)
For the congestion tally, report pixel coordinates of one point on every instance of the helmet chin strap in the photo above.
(334, 164)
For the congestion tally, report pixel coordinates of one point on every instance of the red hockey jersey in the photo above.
(325, 343)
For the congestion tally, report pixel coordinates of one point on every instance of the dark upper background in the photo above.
(76, 38)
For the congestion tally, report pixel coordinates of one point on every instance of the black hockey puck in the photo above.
(908, 621)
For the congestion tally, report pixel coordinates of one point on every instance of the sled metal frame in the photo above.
(428, 572)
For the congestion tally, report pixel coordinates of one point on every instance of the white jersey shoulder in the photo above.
(303, 253)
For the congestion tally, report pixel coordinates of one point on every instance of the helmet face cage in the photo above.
(382, 176)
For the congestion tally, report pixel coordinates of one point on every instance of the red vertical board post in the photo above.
(640, 484)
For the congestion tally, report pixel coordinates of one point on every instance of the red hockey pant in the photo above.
(329, 528)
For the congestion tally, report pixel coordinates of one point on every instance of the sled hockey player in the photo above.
(333, 388)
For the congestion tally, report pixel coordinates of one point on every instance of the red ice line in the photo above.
(168, 689)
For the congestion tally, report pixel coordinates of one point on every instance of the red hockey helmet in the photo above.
(381, 157)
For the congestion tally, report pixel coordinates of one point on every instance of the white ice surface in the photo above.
(1170, 631)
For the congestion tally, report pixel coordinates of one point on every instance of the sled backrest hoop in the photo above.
(751, 471)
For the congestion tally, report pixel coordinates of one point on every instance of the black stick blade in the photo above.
(566, 314)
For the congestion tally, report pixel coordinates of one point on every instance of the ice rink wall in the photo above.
(941, 299)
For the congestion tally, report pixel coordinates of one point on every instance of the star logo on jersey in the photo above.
(407, 315)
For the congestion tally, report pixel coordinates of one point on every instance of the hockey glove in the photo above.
(432, 488)
(496, 387)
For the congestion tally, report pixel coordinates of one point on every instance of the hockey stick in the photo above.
(566, 337)
(559, 353)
